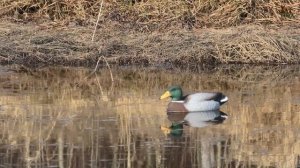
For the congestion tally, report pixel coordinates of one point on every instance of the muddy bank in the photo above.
(35, 45)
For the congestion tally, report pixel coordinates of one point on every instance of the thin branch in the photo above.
(99, 14)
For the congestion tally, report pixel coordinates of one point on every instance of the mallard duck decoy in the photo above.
(201, 101)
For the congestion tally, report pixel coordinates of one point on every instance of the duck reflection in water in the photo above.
(192, 119)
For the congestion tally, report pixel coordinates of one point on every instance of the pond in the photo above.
(70, 117)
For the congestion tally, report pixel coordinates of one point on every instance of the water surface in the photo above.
(64, 117)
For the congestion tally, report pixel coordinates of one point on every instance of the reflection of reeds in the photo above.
(250, 134)
(57, 118)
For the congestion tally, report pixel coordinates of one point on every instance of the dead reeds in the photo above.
(156, 14)
(122, 40)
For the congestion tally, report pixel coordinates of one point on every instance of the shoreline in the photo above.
(35, 45)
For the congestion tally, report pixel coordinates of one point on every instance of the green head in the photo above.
(175, 92)
(175, 130)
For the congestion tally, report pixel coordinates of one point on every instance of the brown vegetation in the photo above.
(35, 45)
(156, 14)
(149, 32)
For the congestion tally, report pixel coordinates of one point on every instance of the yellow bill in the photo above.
(165, 95)
(165, 130)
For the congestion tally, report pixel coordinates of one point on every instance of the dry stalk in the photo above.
(99, 14)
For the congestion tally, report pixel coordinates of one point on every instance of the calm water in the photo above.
(62, 117)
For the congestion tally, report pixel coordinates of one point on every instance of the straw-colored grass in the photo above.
(119, 27)
(34, 46)
(156, 14)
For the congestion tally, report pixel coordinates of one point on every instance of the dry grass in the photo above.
(155, 14)
(34, 46)
(259, 46)
(121, 39)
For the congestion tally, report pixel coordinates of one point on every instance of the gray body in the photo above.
(205, 101)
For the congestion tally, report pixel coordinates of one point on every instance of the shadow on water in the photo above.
(64, 117)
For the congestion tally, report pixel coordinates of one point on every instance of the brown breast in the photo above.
(176, 117)
(176, 107)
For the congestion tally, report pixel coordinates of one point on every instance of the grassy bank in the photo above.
(35, 45)
(152, 33)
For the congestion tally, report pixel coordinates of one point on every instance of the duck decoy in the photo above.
(200, 101)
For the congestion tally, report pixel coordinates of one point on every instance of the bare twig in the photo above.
(99, 14)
